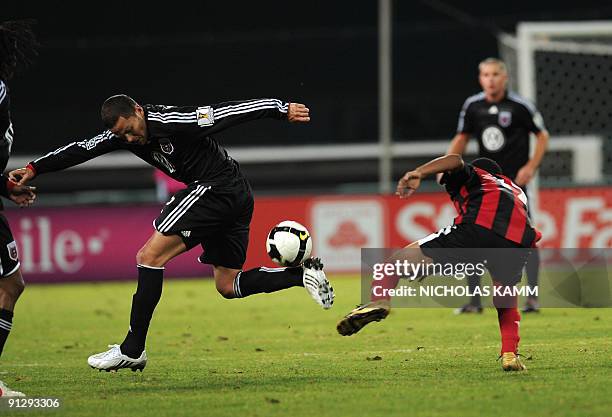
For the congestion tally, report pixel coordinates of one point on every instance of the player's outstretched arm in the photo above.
(74, 153)
(411, 181)
(215, 118)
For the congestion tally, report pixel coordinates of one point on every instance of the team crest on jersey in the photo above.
(162, 160)
(493, 139)
(205, 116)
(166, 146)
(505, 118)
(12, 250)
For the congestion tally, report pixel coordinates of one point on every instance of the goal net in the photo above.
(566, 69)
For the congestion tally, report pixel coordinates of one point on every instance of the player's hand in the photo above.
(298, 112)
(408, 184)
(21, 175)
(22, 195)
(524, 175)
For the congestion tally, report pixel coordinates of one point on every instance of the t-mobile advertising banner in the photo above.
(87, 243)
(99, 243)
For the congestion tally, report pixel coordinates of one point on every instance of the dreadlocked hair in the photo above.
(18, 46)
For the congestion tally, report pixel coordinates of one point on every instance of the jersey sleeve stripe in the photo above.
(230, 107)
(526, 103)
(250, 104)
(244, 111)
(2, 91)
(55, 152)
(248, 107)
(173, 117)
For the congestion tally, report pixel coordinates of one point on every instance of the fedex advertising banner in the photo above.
(100, 243)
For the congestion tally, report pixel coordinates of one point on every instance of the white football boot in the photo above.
(317, 284)
(6, 392)
(113, 360)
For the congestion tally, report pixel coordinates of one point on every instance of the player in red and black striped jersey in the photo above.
(492, 215)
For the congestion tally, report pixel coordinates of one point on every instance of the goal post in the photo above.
(565, 68)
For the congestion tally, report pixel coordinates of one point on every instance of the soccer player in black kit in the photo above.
(491, 228)
(214, 210)
(17, 49)
(502, 122)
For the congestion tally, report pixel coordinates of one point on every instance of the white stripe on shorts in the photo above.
(444, 231)
(182, 208)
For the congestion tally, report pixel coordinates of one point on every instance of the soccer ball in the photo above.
(289, 243)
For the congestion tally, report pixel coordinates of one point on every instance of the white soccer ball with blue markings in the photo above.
(289, 243)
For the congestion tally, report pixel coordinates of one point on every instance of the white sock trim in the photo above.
(150, 267)
(237, 291)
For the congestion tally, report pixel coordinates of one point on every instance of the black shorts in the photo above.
(471, 243)
(214, 216)
(9, 258)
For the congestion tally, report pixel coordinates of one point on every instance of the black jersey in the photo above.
(6, 135)
(502, 128)
(178, 140)
(491, 201)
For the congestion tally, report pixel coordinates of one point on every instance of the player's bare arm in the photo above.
(527, 172)
(458, 144)
(411, 181)
(298, 113)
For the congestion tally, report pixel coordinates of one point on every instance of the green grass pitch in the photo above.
(279, 355)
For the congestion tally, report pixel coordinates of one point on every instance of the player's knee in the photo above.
(12, 290)
(226, 290)
(19, 288)
(146, 257)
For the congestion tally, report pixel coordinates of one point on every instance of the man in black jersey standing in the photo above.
(502, 122)
(17, 49)
(214, 210)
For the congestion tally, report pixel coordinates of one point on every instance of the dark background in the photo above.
(320, 53)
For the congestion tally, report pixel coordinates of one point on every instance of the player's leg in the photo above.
(380, 301)
(509, 320)
(11, 288)
(235, 283)
(533, 271)
(227, 255)
(506, 267)
(151, 260)
(229, 211)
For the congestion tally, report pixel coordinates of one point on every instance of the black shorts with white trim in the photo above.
(215, 216)
(9, 257)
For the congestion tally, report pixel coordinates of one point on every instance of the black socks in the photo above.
(144, 301)
(258, 280)
(6, 323)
